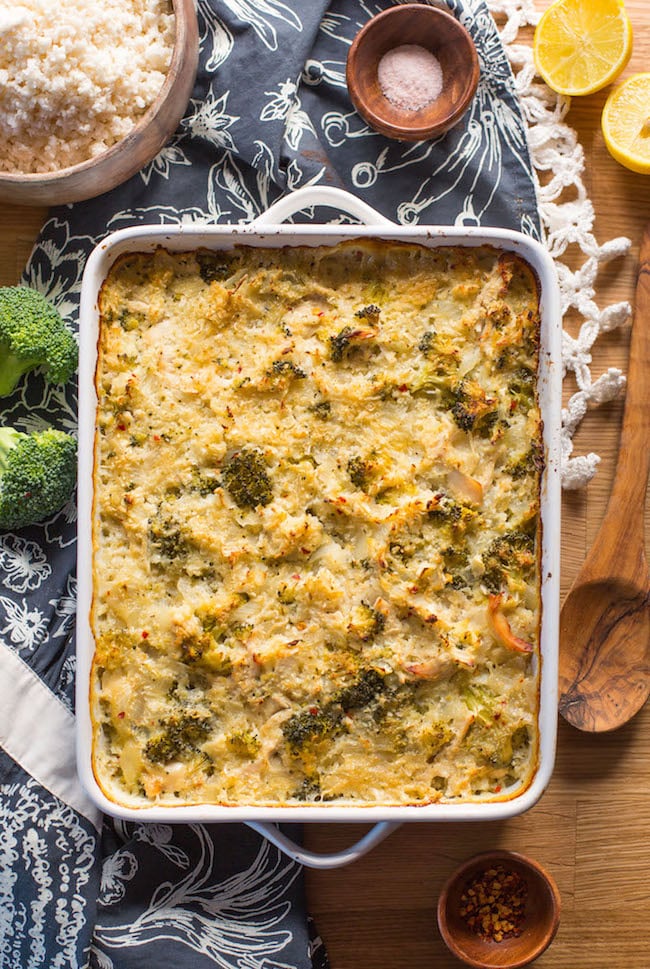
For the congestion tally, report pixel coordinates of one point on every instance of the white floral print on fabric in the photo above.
(161, 836)
(118, 868)
(23, 564)
(47, 880)
(236, 921)
(210, 120)
(21, 623)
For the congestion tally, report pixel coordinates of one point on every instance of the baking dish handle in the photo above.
(334, 198)
(313, 859)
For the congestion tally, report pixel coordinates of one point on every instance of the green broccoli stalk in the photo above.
(37, 474)
(32, 334)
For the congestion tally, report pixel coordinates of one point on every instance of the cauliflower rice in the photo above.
(75, 81)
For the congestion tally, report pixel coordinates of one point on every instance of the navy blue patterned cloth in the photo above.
(269, 113)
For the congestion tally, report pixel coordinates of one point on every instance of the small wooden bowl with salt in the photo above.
(412, 72)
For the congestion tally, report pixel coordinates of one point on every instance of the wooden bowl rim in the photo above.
(538, 872)
(184, 13)
(442, 122)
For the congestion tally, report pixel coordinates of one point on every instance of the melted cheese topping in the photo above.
(316, 562)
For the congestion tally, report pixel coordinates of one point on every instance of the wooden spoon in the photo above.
(605, 619)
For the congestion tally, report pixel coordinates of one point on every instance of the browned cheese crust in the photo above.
(316, 526)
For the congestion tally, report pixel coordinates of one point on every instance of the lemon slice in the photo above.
(580, 46)
(626, 123)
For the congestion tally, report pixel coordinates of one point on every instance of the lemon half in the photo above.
(580, 46)
(626, 123)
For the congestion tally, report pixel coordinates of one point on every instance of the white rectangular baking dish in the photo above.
(267, 231)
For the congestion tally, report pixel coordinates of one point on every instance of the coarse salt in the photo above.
(410, 77)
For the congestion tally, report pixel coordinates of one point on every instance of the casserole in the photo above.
(147, 240)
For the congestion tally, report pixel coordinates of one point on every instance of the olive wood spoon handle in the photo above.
(605, 619)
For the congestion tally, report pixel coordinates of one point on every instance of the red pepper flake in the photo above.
(121, 715)
(403, 388)
(121, 427)
(305, 551)
(145, 634)
(313, 711)
(156, 437)
(493, 904)
(295, 576)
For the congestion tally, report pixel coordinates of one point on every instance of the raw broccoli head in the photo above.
(37, 475)
(32, 334)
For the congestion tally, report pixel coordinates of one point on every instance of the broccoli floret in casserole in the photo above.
(311, 724)
(363, 691)
(339, 344)
(436, 377)
(358, 471)
(433, 382)
(366, 622)
(480, 701)
(472, 409)
(202, 650)
(349, 339)
(308, 790)
(213, 266)
(521, 389)
(436, 738)
(204, 481)
(497, 743)
(369, 313)
(37, 475)
(286, 368)
(445, 510)
(179, 738)
(167, 539)
(508, 555)
(321, 722)
(440, 348)
(246, 478)
(32, 334)
(244, 744)
(530, 463)
(322, 409)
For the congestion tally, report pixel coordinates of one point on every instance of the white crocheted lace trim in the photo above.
(558, 158)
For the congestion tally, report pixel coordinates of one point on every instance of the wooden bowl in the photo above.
(422, 26)
(540, 919)
(123, 159)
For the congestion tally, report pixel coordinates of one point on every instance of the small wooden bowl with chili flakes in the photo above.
(499, 910)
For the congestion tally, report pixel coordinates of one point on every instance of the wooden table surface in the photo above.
(592, 826)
